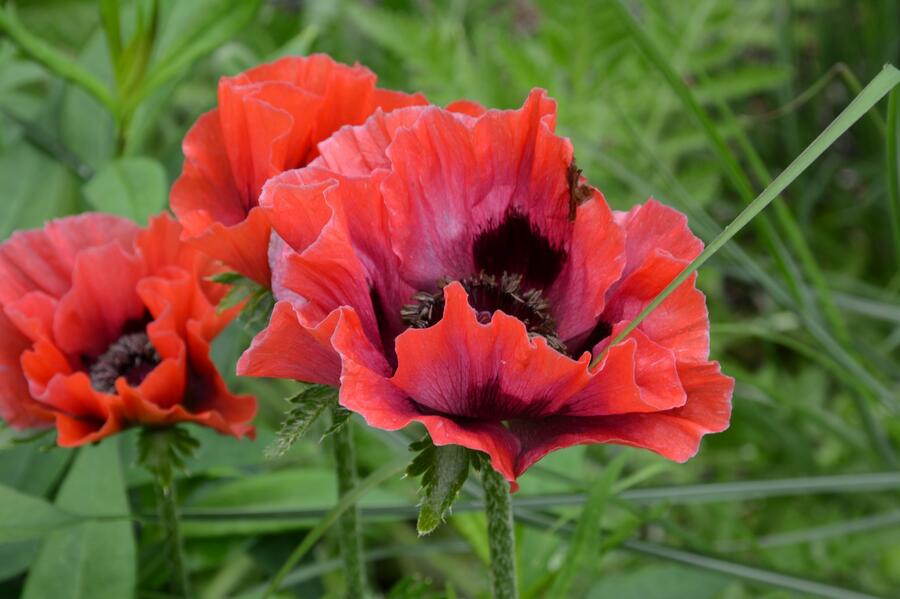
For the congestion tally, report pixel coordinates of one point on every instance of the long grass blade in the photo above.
(381, 475)
(686, 494)
(585, 540)
(819, 533)
(748, 573)
(886, 80)
(893, 168)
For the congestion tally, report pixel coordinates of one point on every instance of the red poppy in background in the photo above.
(456, 270)
(268, 120)
(104, 325)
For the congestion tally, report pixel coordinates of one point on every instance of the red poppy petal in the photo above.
(497, 371)
(637, 375)
(290, 350)
(243, 247)
(356, 151)
(207, 390)
(32, 314)
(388, 99)
(102, 299)
(349, 263)
(654, 226)
(83, 414)
(160, 245)
(448, 183)
(266, 127)
(467, 107)
(680, 323)
(595, 261)
(17, 407)
(294, 202)
(366, 391)
(41, 363)
(206, 192)
(42, 260)
(674, 434)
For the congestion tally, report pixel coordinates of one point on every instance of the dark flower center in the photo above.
(488, 293)
(516, 246)
(131, 355)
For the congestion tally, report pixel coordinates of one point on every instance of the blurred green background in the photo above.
(805, 304)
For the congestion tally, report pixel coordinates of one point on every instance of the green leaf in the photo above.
(442, 479)
(25, 517)
(95, 559)
(33, 468)
(15, 558)
(35, 189)
(132, 187)
(306, 407)
(586, 539)
(340, 416)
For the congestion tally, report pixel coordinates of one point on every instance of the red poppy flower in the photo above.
(105, 325)
(269, 119)
(457, 271)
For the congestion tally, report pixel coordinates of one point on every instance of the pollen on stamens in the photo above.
(487, 294)
(131, 356)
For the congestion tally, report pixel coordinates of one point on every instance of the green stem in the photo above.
(349, 533)
(167, 505)
(501, 535)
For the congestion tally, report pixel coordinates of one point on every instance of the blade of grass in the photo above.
(748, 573)
(585, 540)
(54, 60)
(862, 398)
(818, 533)
(789, 228)
(312, 571)
(785, 218)
(348, 500)
(685, 494)
(837, 70)
(726, 158)
(893, 169)
(714, 564)
(886, 80)
(708, 230)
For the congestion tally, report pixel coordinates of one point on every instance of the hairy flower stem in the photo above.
(350, 535)
(166, 504)
(501, 534)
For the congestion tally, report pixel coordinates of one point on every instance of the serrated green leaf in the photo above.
(132, 187)
(306, 407)
(227, 278)
(339, 418)
(444, 470)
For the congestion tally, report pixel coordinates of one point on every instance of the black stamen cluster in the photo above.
(488, 293)
(131, 356)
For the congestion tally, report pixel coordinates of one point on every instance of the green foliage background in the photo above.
(810, 290)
